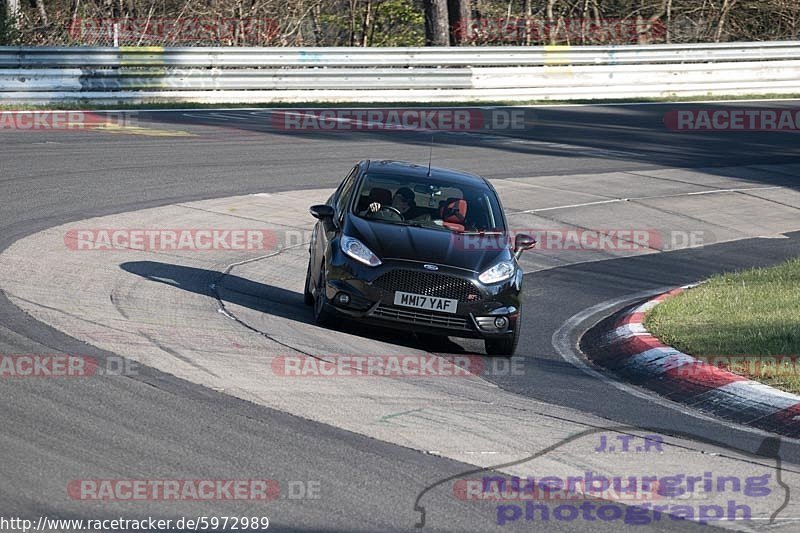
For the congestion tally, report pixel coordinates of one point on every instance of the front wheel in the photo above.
(322, 317)
(504, 346)
(308, 296)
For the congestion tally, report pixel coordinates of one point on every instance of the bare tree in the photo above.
(316, 26)
(459, 15)
(389, 23)
(436, 23)
(367, 23)
(42, 13)
(726, 7)
(550, 10)
(76, 4)
(12, 10)
(527, 7)
(668, 9)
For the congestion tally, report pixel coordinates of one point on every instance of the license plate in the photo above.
(429, 303)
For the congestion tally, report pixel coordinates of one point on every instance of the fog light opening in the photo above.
(500, 322)
(342, 299)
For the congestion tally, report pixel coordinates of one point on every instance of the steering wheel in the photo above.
(390, 213)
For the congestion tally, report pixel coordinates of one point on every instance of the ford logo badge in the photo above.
(431, 267)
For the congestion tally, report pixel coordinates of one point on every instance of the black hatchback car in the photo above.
(420, 249)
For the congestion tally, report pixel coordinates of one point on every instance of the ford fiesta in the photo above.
(417, 248)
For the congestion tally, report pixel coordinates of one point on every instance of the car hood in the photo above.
(391, 241)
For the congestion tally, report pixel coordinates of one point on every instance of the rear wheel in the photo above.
(504, 346)
(322, 317)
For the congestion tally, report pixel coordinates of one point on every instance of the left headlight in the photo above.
(359, 251)
(499, 272)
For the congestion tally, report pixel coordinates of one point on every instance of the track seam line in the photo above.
(224, 310)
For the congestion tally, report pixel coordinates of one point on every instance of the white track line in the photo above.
(617, 200)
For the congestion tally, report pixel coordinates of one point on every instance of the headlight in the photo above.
(359, 251)
(499, 272)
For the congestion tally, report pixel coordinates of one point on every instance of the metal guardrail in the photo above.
(397, 74)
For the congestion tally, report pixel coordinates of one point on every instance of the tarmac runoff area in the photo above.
(233, 320)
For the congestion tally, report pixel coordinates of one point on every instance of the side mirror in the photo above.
(523, 242)
(322, 212)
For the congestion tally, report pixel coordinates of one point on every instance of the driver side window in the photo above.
(344, 193)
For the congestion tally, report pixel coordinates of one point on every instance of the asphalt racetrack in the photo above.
(364, 454)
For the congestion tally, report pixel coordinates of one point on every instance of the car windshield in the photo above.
(429, 202)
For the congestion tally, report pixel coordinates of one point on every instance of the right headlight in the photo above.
(499, 272)
(358, 250)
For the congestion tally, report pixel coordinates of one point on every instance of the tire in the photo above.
(322, 317)
(504, 346)
(308, 296)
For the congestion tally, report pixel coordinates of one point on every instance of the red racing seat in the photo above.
(453, 213)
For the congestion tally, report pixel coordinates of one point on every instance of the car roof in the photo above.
(412, 170)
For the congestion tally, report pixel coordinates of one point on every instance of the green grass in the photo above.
(86, 105)
(753, 313)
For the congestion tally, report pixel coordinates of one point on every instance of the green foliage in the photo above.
(335, 29)
(8, 30)
(398, 23)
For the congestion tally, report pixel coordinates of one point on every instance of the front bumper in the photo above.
(371, 303)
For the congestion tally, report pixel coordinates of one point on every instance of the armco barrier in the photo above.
(31, 74)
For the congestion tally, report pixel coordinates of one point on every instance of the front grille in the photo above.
(426, 318)
(428, 284)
